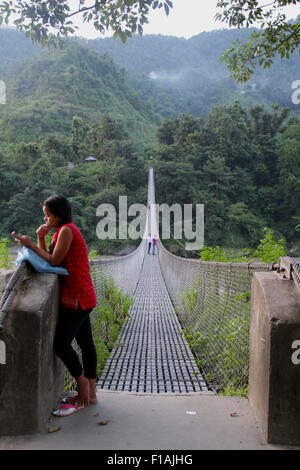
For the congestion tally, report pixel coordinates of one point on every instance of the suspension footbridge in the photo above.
(152, 354)
(187, 335)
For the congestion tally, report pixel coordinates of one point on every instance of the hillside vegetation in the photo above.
(240, 159)
(44, 92)
(177, 75)
(185, 75)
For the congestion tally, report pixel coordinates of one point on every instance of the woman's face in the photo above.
(51, 220)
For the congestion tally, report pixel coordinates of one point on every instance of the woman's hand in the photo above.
(42, 231)
(23, 240)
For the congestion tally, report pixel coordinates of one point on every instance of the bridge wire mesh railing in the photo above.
(125, 272)
(296, 272)
(212, 301)
(10, 291)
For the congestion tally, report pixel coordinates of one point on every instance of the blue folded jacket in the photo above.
(39, 264)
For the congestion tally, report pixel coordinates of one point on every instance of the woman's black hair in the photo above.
(60, 207)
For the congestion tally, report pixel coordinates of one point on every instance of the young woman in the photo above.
(77, 296)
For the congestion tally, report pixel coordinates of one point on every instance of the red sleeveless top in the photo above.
(77, 287)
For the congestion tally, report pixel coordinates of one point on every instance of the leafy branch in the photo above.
(49, 22)
(279, 36)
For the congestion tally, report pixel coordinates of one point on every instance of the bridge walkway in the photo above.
(151, 355)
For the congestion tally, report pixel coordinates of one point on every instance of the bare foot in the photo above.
(83, 390)
(92, 387)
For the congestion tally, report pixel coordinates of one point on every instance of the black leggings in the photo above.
(76, 324)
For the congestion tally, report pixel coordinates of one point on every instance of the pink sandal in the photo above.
(67, 410)
(70, 400)
(73, 399)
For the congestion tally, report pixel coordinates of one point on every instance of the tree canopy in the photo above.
(278, 34)
(49, 22)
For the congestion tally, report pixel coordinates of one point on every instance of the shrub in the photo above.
(108, 318)
(5, 260)
(269, 250)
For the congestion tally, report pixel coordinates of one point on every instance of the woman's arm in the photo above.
(60, 251)
(41, 232)
(41, 243)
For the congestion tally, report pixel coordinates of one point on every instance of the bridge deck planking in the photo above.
(151, 355)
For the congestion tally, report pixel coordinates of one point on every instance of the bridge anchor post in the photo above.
(31, 376)
(274, 370)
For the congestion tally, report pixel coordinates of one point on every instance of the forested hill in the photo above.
(241, 162)
(45, 91)
(14, 45)
(158, 54)
(185, 75)
(178, 75)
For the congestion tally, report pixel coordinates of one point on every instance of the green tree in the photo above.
(78, 135)
(166, 132)
(109, 140)
(243, 226)
(175, 182)
(277, 37)
(217, 176)
(11, 181)
(227, 132)
(270, 249)
(48, 22)
(289, 179)
(58, 144)
(21, 213)
(26, 155)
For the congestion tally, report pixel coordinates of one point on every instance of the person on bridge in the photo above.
(149, 243)
(77, 297)
(154, 245)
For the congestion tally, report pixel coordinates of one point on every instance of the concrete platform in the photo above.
(201, 421)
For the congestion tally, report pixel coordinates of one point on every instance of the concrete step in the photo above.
(152, 422)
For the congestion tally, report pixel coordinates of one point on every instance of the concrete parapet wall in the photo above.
(274, 374)
(31, 376)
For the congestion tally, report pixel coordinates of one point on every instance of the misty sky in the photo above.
(188, 18)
